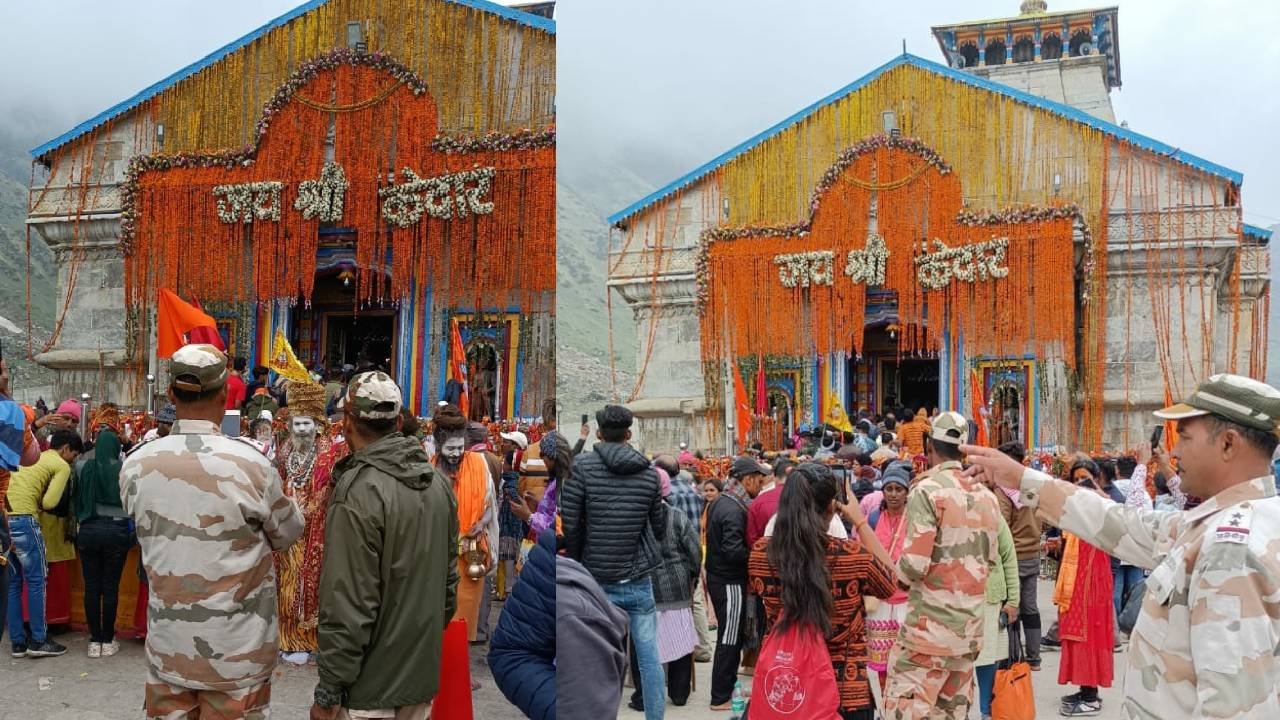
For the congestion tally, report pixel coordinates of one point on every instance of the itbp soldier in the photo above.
(951, 543)
(1206, 641)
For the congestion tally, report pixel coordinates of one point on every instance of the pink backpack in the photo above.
(794, 678)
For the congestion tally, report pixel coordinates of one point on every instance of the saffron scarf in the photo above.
(469, 487)
(1065, 587)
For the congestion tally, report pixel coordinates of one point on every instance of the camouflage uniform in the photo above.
(951, 544)
(209, 512)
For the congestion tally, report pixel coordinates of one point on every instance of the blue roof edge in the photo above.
(1067, 111)
(533, 21)
(1258, 232)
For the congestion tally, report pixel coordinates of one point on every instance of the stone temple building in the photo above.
(977, 234)
(356, 174)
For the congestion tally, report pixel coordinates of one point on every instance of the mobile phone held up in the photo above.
(584, 418)
(1157, 435)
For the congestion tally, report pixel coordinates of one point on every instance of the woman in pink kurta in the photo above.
(891, 528)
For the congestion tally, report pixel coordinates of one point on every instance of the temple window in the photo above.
(1051, 47)
(969, 51)
(995, 54)
(1081, 43)
(1024, 50)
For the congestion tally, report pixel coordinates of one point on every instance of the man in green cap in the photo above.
(389, 583)
(209, 511)
(1205, 642)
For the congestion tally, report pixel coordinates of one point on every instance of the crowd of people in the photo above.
(352, 535)
(338, 530)
(917, 556)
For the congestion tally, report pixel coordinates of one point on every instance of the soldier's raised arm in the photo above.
(1134, 536)
(1125, 532)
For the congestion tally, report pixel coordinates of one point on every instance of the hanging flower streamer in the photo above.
(243, 225)
(1014, 267)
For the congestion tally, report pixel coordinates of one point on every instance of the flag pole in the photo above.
(728, 381)
(153, 360)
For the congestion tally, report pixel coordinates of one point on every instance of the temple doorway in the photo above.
(334, 332)
(364, 342)
(483, 363)
(882, 381)
(908, 382)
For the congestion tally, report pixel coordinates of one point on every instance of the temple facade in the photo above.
(976, 234)
(366, 177)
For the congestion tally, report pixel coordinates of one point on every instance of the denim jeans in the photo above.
(986, 687)
(26, 567)
(1123, 580)
(4, 576)
(636, 599)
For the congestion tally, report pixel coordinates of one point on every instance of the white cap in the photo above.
(516, 437)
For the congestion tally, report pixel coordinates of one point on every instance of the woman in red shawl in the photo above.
(1086, 617)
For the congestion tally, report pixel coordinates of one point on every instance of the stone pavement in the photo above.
(1047, 691)
(73, 687)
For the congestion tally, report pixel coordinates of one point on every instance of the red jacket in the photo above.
(762, 509)
(235, 392)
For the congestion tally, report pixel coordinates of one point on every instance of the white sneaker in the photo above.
(111, 648)
(95, 650)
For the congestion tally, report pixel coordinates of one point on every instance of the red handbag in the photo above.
(794, 678)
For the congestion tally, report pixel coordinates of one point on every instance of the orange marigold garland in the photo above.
(758, 286)
(204, 224)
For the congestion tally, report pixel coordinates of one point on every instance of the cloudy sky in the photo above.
(665, 85)
(662, 85)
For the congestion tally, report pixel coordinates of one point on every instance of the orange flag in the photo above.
(979, 408)
(742, 407)
(458, 366)
(175, 320)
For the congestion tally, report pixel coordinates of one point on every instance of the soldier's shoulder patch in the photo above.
(1232, 524)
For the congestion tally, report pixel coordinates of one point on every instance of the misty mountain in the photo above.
(15, 168)
(585, 195)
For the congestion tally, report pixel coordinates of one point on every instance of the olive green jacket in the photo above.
(390, 578)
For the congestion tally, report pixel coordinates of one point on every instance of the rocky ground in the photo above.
(1047, 690)
(73, 687)
(584, 384)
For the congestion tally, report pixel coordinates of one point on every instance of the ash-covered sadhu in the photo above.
(209, 512)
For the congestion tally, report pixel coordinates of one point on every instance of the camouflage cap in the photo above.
(197, 368)
(372, 396)
(1236, 398)
(950, 427)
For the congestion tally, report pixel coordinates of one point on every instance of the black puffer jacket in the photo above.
(612, 514)
(681, 563)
